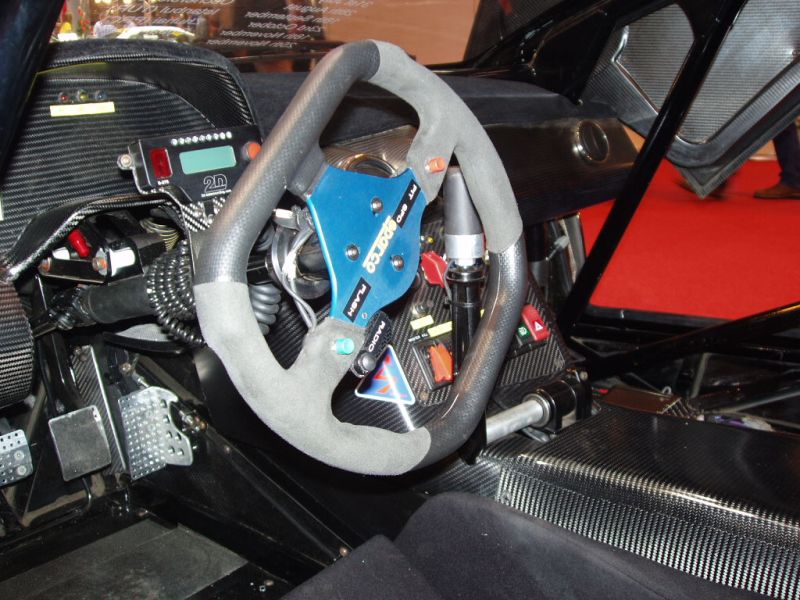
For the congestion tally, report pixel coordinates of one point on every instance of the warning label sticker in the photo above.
(387, 382)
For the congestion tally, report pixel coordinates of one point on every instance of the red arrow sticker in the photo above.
(387, 382)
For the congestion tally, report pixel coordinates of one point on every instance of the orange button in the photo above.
(436, 165)
(252, 149)
(441, 362)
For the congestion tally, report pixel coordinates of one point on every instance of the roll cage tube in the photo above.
(296, 403)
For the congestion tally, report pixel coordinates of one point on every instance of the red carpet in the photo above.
(724, 258)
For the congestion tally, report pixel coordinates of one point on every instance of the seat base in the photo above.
(461, 546)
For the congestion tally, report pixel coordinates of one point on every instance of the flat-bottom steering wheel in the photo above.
(296, 403)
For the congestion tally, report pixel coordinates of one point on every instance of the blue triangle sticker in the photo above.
(387, 382)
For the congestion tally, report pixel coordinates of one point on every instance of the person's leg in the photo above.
(787, 150)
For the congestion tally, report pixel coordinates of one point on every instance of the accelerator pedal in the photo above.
(152, 439)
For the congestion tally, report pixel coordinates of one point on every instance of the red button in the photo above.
(160, 161)
(535, 324)
(433, 268)
(441, 363)
(79, 243)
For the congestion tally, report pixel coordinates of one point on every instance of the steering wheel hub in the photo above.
(369, 229)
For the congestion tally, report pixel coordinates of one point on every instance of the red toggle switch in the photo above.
(159, 158)
(78, 242)
(433, 268)
(535, 324)
(441, 363)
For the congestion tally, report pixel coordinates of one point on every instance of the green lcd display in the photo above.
(207, 159)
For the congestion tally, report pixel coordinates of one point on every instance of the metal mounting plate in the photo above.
(80, 442)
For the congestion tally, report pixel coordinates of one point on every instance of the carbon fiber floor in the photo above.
(145, 560)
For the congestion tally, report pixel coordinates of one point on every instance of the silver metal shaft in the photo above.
(533, 411)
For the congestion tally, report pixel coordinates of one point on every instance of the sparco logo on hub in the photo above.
(389, 226)
(380, 245)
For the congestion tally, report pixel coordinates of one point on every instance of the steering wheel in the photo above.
(372, 257)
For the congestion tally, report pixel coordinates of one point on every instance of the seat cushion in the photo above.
(459, 546)
(376, 570)
(471, 547)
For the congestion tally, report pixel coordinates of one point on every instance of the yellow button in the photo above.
(441, 329)
(421, 323)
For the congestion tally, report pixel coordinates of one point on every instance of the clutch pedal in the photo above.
(15, 457)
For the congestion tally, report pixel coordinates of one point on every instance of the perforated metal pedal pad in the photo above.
(15, 457)
(152, 441)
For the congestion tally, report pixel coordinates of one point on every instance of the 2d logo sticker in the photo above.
(387, 382)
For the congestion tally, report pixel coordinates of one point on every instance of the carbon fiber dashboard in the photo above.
(155, 89)
(522, 372)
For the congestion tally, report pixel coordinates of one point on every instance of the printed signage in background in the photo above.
(240, 28)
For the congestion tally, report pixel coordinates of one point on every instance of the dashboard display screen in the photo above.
(207, 159)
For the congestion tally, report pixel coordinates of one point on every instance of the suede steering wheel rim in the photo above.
(296, 403)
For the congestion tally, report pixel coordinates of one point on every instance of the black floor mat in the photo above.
(144, 561)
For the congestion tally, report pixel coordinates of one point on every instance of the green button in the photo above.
(522, 331)
(345, 346)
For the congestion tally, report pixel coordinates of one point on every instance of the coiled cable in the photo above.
(287, 273)
(169, 235)
(265, 298)
(169, 288)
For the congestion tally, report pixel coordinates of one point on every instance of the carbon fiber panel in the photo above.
(735, 77)
(88, 378)
(66, 158)
(156, 89)
(647, 64)
(204, 78)
(525, 370)
(16, 348)
(715, 502)
(756, 68)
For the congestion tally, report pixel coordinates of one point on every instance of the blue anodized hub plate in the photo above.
(343, 207)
